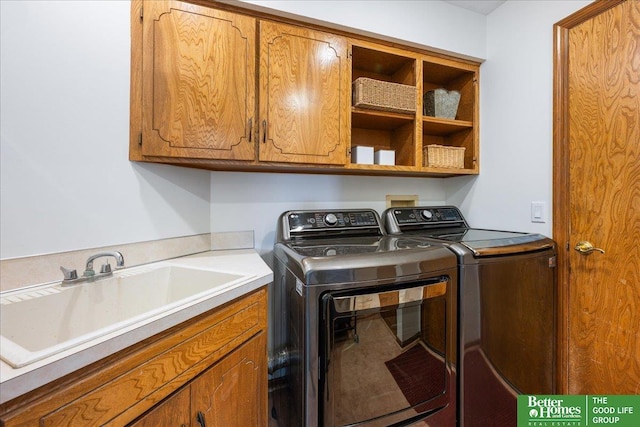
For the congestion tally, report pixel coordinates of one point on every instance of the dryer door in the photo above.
(384, 357)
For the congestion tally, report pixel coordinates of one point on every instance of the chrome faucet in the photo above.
(106, 268)
(71, 276)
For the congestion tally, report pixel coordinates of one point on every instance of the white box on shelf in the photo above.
(362, 155)
(385, 157)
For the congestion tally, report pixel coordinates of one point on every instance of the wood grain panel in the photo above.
(136, 78)
(106, 402)
(188, 108)
(604, 177)
(403, 142)
(383, 63)
(303, 95)
(233, 393)
(561, 193)
(174, 411)
(199, 87)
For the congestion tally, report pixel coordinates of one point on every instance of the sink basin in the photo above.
(40, 322)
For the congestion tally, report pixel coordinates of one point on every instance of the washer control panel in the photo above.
(307, 220)
(427, 215)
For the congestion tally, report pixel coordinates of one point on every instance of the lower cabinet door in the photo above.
(233, 392)
(173, 411)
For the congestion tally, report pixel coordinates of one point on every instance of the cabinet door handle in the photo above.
(264, 131)
(200, 419)
(250, 128)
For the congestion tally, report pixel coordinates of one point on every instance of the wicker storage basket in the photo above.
(440, 156)
(385, 96)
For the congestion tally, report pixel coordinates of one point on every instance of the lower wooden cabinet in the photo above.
(229, 394)
(173, 411)
(208, 371)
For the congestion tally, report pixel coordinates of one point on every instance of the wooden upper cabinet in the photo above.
(304, 95)
(226, 88)
(198, 91)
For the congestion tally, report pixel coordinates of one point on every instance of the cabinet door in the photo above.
(198, 97)
(304, 95)
(233, 393)
(173, 411)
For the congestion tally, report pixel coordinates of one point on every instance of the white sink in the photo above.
(42, 321)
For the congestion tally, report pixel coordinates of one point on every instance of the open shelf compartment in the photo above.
(385, 130)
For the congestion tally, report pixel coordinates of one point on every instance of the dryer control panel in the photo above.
(397, 219)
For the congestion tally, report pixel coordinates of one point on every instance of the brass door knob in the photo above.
(586, 248)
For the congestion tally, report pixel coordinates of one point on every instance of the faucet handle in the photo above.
(69, 274)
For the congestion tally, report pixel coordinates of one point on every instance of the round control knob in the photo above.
(426, 214)
(330, 219)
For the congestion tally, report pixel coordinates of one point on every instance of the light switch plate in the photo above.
(539, 212)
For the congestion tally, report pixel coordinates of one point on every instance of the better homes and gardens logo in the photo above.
(578, 411)
(551, 411)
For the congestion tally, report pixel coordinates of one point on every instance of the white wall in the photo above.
(516, 127)
(65, 179)
(429, 23)
(242, 201)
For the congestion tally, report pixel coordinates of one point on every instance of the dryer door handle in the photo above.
(345, 304)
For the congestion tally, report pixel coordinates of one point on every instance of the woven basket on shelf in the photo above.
(385, 96)
(440, 156)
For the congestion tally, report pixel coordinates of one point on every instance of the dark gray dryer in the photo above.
(506, 310)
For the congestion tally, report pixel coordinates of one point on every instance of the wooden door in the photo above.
(304, 95)
(198, 97)
(597, 197)
(173, 411)
(233, 393)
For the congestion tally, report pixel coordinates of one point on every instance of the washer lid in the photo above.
(494, 242)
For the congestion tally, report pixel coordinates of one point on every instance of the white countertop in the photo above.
(246, 262)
